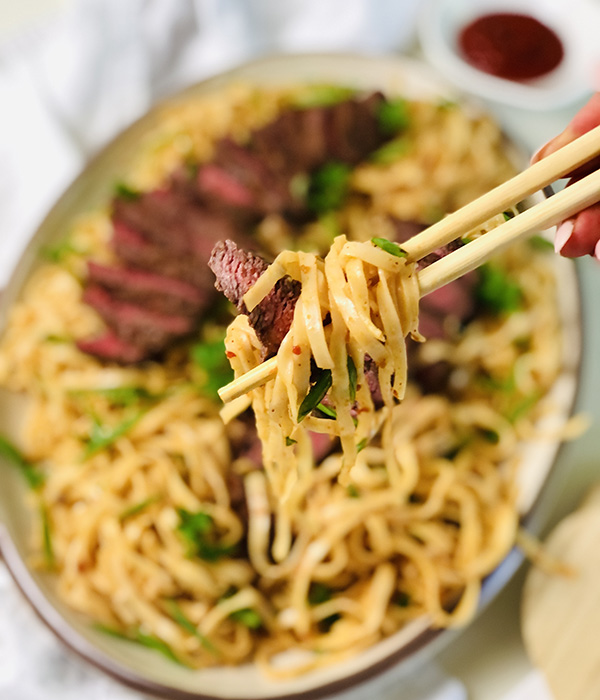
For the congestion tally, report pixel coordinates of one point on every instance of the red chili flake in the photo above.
(229, 354)
(296, 349)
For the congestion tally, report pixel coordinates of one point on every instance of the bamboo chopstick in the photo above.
(543, 215)
(548, 213)
(534, 178)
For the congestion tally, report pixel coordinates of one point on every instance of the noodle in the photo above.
(315, 562)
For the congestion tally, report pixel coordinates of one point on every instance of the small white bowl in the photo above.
(576, 24)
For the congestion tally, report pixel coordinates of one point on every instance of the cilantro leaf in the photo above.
(392, 116)
(496, 292)
(211, 357)
(199, 530)
(315, 394)
(328, 187)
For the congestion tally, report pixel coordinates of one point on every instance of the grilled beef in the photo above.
(236, 271)
(165, 295)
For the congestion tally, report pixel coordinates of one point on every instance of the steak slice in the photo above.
(135, 325)
(111, 348)
(236, 271)
(165, 295)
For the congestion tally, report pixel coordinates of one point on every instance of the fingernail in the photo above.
(597, 251)
(563, 233)
(537, 155)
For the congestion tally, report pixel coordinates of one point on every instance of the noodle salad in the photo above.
(157, 519)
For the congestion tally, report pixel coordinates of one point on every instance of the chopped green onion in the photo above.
(32, 475)
(49, 557)
(389, 247)
(401, 599)
(185, 623)
(508, 215)
(361, 445)
(290, 441)
(327, 410)
(316, 394)
(142, 638)
(138, 508)
(352, 491)
(392, 116)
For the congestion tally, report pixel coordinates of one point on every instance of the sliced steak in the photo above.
(134, 324)
(111, 348)
(236, 271)
(165, 295)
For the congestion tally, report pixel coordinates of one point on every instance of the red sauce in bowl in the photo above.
(511, 46)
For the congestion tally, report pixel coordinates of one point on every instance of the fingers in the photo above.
(585, 120)
(579, 235)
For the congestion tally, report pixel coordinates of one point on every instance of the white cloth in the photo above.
(65, 89)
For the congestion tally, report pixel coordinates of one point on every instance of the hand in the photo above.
(579, 235)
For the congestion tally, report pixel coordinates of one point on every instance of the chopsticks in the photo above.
(547, 213)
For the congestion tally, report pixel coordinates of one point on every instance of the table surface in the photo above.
(488, 657)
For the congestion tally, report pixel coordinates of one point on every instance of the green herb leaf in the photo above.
(319, 593)
(522, 407)
(327, 410)
(142, 638)
(361, 445)
(103, 436)
(290, 441)
(120, 395)
(401, 599)
(32, 475)
(152, 642)
(496, 292)
(326, 624)
(316, 394)
(184, 622)
(199, 531)
(211, 357)
(392, 116)
(353, 492)
(247, 617)
(321, 96)
(541, 243)
(138, 508)
(328, 187)
(389, 247)
(352, 378)
(49, 558)
(391, 151)
(59, 251)
(125, 191)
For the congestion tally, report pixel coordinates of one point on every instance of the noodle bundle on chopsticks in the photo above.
(359, 301)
